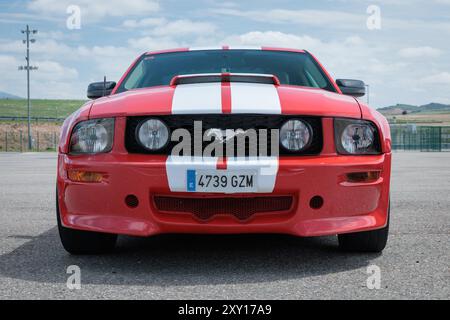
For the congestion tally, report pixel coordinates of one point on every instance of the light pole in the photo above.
(27, 31)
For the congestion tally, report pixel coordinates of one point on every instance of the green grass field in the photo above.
(39, 108)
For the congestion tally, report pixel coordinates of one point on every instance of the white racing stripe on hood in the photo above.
(254, 98)
(197, 98)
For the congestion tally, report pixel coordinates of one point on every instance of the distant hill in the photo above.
(407, 108)
(5, 95)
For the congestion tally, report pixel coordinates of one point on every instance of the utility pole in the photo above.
(27, 31)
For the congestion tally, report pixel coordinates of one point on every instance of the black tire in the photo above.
(84, 242)
(366, 241)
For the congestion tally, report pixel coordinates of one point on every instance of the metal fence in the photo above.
(17, 141)
(404, 137)
(420, 138)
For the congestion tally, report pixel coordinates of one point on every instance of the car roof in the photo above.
(224, 48)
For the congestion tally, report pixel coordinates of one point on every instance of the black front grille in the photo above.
(223, 122)
(243, 208)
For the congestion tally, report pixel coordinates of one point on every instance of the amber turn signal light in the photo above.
(369, 176)
(84, 176)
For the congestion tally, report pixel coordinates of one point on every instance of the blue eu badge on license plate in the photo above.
(190, 180)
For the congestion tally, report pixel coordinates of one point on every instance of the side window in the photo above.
(135, 77)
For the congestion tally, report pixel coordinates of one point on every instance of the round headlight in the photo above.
(295, 135)
(153, 134)
(357, 138)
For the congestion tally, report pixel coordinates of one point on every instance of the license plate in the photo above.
(223, 182)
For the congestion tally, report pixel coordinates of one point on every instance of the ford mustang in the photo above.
(220, 141)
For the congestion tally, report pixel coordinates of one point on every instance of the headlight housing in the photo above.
(354, 136)
(295, 135)
(92, 136)
(152, 134)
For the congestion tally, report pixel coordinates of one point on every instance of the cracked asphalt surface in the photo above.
(415, 264)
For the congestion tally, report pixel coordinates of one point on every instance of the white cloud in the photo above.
(15, 17)
(47, 47)
(55, 35)
(8, 67)
(442, 78)
(331, 19)
(420, 52)
(161, 27)
(52, 80)
(151, 43)
(337, 19)
(95, 10)
(147, 22)
(228, 4)
(54, 71)
(111, 61)
(221, 3)
(180, 28)
(272, 38)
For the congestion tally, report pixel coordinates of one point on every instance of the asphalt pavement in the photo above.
(415, 264)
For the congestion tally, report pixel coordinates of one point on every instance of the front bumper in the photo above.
(347, 207)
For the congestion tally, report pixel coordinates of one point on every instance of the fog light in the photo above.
(131, 201)
(316, 202)
(369, 176)
(84, 176)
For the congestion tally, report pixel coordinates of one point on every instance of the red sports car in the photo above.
(226, 140)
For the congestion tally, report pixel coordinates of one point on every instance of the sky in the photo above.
(400, 48)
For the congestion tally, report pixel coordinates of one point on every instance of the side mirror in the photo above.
(355, 88)
(100, 89)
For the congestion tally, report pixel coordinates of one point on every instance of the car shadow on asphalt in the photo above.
(170, 260)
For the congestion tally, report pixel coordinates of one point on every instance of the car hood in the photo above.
(204, 98)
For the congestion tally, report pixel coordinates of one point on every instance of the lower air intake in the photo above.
(206, 208)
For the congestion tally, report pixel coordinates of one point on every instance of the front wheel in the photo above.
(84, 242)
(366, 241)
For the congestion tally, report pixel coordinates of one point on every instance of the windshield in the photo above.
(291, 68)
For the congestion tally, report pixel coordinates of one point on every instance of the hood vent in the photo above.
(225, 77)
